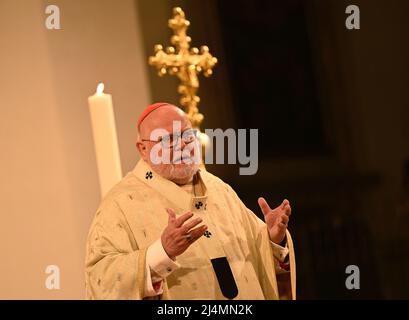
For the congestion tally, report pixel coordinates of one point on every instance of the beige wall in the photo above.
(49, 184)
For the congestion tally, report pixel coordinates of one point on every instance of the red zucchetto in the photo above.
(148, 110)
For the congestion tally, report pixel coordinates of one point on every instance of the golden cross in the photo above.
(185, 64)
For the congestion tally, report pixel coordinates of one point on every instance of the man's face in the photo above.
(168, 143)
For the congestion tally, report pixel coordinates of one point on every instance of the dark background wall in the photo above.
(332, 109)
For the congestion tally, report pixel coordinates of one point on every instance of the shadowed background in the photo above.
(331, 106)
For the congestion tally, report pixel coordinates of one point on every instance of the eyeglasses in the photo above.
(171, 140)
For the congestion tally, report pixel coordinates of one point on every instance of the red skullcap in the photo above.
(148, 110)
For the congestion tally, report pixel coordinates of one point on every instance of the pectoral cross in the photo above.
(184, 62)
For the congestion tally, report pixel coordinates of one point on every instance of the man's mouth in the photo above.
(183, 159)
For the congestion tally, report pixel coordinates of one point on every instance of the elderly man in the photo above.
(169, 230)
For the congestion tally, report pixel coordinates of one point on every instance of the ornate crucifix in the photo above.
(185, 64)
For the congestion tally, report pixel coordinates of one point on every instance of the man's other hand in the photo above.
(276, 219)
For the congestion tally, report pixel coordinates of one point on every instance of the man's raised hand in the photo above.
(178, 235)
(276, 219)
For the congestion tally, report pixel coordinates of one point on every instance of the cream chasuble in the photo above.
(132, 216)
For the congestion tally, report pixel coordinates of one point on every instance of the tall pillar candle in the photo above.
(105, 139)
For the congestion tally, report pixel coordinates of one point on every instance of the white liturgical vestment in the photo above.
(129, 223)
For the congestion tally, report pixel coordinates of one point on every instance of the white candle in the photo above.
(105, 139)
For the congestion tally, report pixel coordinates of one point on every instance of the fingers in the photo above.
(282, 226)
(285, 203)
(171, 216)
(285, 219)
(283, 222)
(197, 232)
(286, 207)
(265, 208)
(179, 222)
(189, 225)
(183, 218)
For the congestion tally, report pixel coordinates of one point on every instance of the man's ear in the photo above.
(143, 151)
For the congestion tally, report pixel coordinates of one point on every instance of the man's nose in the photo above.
(180, 144)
